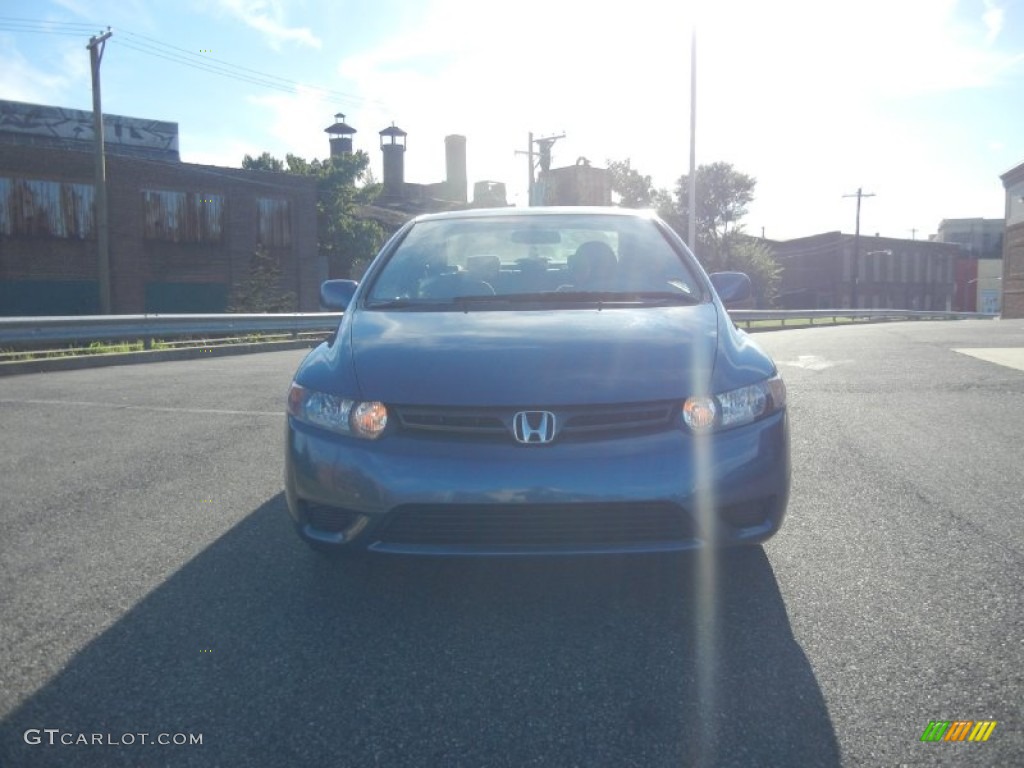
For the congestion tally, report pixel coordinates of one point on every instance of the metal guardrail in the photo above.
(748, 316)
(87, 328)
(20, 331)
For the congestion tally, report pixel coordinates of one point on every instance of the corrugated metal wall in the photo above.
(274, 222)
(182, 217)
(57, 209)
(21, 298)
(174, 297)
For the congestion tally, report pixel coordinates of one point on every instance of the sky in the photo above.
(918, 102)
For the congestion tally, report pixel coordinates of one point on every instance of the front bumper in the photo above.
(656, 492)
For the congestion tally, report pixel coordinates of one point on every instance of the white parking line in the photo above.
(1011, 357)
(126, 407)
(813, 362)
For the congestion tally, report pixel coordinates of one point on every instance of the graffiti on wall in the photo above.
(40, 122)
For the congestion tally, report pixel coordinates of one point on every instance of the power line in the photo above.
(153, 47)
(14, 24)
(45, 28)
(44, 22)
(212, 69)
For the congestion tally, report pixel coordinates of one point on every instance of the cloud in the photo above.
(811, 113)
(23, 81)
(296, 121)
(225, 152)
(993, 20)
(267, 16)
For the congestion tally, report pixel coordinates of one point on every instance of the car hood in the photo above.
(531, 358)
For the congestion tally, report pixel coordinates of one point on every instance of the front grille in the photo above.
(451, 420)
(537, 525)
(327, 518)
(619, 417)
(746, 514)
(571, 421)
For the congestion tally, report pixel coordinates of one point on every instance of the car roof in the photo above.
(576, 210)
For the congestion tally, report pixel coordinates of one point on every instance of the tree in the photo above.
(634, 189)
(264, 162)
(348, 243)
(261, 290)
(723, 194)
(343, 240)
(755, 257)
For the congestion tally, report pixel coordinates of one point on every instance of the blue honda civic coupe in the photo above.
(533, 382)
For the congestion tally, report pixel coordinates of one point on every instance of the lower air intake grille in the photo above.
(537, 525)
(327, 518)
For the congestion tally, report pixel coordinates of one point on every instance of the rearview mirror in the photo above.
(336, 294)
(536, 236)
(732, 287)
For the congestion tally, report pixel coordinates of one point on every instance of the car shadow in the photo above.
(280, 657)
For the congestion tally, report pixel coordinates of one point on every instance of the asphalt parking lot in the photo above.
(150, 584)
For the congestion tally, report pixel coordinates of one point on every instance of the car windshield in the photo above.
(554, 260)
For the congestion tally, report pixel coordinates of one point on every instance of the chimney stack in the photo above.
(392, 144)
(455, 164)
(341, 136)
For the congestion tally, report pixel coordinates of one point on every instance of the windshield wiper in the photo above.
(410, 304)
(667, 297)
(626, 297)
(601, 298)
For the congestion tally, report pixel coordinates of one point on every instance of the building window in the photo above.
(182, 217)
(274, 222)
(1015, 204)
(53, 208)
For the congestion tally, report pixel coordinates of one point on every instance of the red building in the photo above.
(181, 235)
(965, 294)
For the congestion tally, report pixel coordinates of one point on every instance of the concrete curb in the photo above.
(154, 356)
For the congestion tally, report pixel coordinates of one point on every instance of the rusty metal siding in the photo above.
(57, 209)
(274, 222)
(182, 217)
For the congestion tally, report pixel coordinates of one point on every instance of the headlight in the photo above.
(366, 419)
(703, 413)
(699, 413)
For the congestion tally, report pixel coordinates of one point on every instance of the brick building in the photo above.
(979, 238)
(579, 184)
(892, 273)
(181, 234)
(1013, 243)
(978, 271)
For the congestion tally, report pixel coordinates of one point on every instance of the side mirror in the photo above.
(336, 294)
(732, 287)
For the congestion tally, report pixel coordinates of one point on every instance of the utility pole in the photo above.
(529, 152)
(913, 234)
(545, 152)
(96, 46)
(856, 248)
